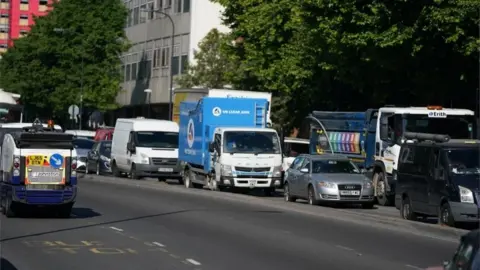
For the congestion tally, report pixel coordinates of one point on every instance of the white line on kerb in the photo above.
(158, 244)
(116, 229)
(192, 261)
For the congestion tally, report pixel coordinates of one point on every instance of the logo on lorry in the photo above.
(56, 161)
(437, 114)
(216, 111)
(190, 133)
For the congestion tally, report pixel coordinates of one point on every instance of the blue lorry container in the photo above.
(348, 133)
(199, 120)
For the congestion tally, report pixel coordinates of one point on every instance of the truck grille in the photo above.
(44, 174)
(247, 169)
(258, 176)
(349, 187)
(164, 161)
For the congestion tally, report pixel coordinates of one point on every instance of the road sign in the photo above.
(73, 110)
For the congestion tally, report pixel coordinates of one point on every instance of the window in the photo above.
(24, 5)
(165, 56)
(334, 166)
(134, 71)
(4, 4)
(136, 14)
(157, 139)
(23, 32)
(122, 72)
(4, 15)
(43, 5)
(130, 18)
(422, 158)
(24, 1)
(159, 4)
(151, 13)
(83, 144)
(178, 6)
(463, 256)
(156, 58)
(43, 2)
(186, 6)
(3, 46)
(143, 14)
(24, 17)
(184, 64)
(297, 163)
(168, 3)
(127, 73)
(175, 65)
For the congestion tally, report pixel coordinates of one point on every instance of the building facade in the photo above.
(147, 64)
(16, 18)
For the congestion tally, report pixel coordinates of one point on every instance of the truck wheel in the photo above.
(65, 211)
(286, 194)
(187, 180)
(406, 209)
(382, 198)
(115, 170)
(133, 172)
(446, 217)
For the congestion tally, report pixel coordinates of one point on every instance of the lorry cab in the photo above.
(292, 147)
(439, 177)
(145, 148)
(394, 122)
(38, 169)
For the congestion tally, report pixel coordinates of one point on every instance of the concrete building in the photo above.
(16, 18)
(147, 64)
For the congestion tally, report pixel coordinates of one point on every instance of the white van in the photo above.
(145, 148)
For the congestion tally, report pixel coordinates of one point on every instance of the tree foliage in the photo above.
(46, 68)
(215, 66)
(351, 55)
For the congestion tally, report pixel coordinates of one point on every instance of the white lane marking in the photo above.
(344, 247)
(413, 267)
(116, 229)
(192, 261)
(158, 244)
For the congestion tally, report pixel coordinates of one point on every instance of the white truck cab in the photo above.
(145, 148)
(247, 157)
(393, 122)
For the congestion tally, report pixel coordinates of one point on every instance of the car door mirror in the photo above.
(304, 170)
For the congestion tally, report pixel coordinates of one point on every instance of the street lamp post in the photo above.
(63, 30)
(170, 104)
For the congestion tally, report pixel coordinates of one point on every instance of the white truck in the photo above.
(393, 122)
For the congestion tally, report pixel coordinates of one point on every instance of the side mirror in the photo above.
(304, 170)
(384, 129)
(211, 147)
(131, 147)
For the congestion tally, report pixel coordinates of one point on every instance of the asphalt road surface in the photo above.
(120, 226)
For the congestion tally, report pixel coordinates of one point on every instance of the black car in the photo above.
(439, 177)
(467, 255)
(98, 158)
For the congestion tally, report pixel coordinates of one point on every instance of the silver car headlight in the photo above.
(327, 184)
(367, 184)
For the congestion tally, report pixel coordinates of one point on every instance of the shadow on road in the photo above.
(44, 213)
(6, 265)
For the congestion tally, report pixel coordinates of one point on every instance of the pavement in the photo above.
(143, 224)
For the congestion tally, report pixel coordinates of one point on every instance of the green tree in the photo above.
(351, 55)
(45, 67)
(215, 64)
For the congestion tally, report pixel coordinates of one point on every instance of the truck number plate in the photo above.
(252, 183)
(35, 160)
(165, 169)
(349, 192)
(44, 174)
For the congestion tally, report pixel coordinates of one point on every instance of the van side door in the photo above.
(421, 174)
(438, 184)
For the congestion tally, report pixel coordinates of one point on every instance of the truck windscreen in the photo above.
(456, 126)
(258, 142)
(156, 139)
(464, 161)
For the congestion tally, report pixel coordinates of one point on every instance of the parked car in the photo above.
(327, 178)
(82, 147)
(467, 256)
(98, 158)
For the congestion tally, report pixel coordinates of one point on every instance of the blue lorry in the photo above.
(224, 143)
(38, 170)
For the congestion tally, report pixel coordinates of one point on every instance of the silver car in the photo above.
(327, 178)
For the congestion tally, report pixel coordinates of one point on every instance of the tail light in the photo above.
(16, 166)
(73, 167)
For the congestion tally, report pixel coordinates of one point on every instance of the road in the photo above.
(128, 225)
